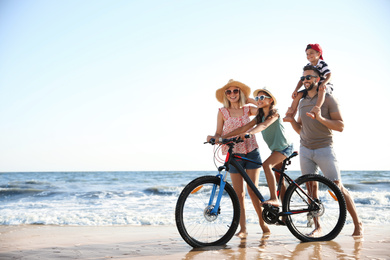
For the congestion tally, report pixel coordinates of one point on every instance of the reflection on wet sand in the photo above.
(287, 248)
(53, 242)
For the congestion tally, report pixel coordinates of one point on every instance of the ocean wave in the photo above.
(142, 198)
(374, 198)
(162, 190)
(376, 182)
(7, 192)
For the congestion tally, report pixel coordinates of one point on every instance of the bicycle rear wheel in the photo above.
(194, 221)
(316, 208)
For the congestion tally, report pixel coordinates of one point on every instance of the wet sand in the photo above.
(164, 242)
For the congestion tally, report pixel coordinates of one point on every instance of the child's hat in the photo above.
(315, 47)
(232, 83)
(266, 90)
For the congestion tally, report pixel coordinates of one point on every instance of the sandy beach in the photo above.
(164, 242)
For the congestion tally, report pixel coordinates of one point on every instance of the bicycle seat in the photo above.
(295, 153)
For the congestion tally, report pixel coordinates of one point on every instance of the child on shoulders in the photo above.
(314, 56)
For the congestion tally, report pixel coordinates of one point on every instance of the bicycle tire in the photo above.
(195, 225)
(330, 214)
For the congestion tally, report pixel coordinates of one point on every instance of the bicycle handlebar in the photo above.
(229, 140)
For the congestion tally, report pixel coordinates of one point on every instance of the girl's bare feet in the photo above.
(242, 234)
(266, 233)
(358, 232)
(274, 203)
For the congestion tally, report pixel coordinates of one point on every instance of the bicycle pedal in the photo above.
(270, 207)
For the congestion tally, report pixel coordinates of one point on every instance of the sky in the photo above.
(110, 85)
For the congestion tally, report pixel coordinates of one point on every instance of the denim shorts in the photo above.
(288, 151)
(254, 155)
(323, 159)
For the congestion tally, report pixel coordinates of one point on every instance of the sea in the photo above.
(145, 198)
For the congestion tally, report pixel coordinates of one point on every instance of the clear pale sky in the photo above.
(130, 85)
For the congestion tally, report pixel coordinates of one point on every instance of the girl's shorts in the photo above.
(287, 151)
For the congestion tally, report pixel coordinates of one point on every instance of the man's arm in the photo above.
(335, 122)
(297, 125)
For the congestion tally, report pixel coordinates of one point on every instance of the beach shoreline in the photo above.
(164, 242)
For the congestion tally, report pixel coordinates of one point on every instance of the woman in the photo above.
(235, 114)
(269, 123)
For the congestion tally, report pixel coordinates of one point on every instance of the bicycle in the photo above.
(208, 211)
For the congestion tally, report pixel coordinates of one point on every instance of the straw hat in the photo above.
(266, 90)
(232, 83)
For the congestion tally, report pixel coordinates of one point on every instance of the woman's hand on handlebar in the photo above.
(243, 136)
(216, 138)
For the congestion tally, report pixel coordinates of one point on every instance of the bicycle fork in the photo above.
(222, 184)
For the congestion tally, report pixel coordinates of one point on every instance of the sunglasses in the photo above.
(308, 77)
(262, 97)
(235, 91)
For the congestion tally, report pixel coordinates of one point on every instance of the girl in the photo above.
(269, 123)
(233, 115)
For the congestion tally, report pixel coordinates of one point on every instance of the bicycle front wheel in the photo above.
(196, 223)
(316, 208)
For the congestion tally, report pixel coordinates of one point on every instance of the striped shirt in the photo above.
(323, 68)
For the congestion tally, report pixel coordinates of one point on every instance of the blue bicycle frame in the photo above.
(231, 159)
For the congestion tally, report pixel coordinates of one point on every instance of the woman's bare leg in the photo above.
(238, 185)
(254, 175)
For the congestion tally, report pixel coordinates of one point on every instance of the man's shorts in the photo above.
(323, 159)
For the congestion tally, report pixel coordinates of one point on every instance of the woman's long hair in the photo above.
(260, 114)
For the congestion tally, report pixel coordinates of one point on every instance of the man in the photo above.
(316, 149)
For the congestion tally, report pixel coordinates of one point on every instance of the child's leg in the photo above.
(290, 114)
(320, 102)
(274, 159)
